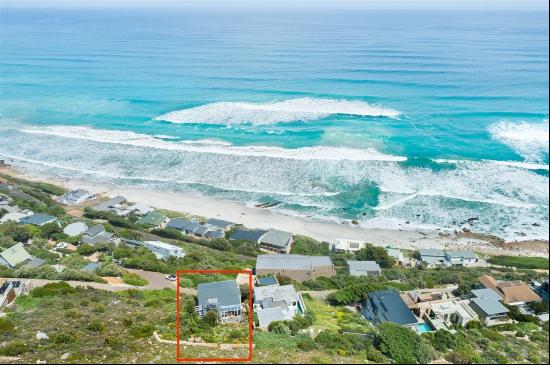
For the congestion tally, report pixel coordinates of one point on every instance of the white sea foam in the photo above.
(301, 109)
(507, 198)
(208, 146)
(530, 140)
(519, 164)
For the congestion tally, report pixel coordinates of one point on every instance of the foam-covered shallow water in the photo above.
(397, 119)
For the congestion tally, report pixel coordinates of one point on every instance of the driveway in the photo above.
(158, 280)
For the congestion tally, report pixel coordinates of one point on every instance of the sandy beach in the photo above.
(254, 217)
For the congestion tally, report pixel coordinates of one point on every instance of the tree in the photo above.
(210, 318)
(129, 234)
(375, 253)
(443, 341)
(402, 344)
(278, 327)
(50, 229)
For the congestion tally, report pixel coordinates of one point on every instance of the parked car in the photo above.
(171, 277)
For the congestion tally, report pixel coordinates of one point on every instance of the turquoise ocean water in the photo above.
(399, 119)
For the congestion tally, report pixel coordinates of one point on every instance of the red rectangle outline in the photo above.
(250, 318)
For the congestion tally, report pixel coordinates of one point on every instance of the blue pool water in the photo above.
(423, 327)
(388, 117)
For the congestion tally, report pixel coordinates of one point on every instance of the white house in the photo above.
(461, 258)
(277, 303)
(344, 245)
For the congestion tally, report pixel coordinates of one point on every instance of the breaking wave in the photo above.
(529, 140)
(213, 147)
(301, 109)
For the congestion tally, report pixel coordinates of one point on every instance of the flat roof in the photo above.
(461, 254)
(490, 306)
(486, 293)
(164, 245)
(291, 262)
(355, 266)
(286, 293)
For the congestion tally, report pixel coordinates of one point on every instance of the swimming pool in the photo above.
(423, 327)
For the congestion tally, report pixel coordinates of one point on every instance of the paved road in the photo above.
(34, 283)
(158, 280)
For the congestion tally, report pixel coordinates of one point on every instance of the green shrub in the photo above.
(6, 326)
(142, 330)
(375, 253)
(402, 344)
(63, 338)
(96, 326)
(134, 279)
(127, 321)
(443, 341)
(72, 313)
(279, 327)
(53, 289)
(210, 319)
(308, 246)
(113, 342)
(473, 325)
(13, 348)
(305, 343)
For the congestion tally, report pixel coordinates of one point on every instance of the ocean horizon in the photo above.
(397, 119)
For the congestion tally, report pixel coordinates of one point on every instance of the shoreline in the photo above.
(254, 217)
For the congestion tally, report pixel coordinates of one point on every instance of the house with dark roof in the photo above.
(224, 297)
(214, 233)
(35, 262)
(364, 268)
(38, 219)
(249, 235)
(97, 234)
(220, 223)
(185, 225)
(200, 231)
(296, 267)
(542, 290)
(387, 306)
(276, 241)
